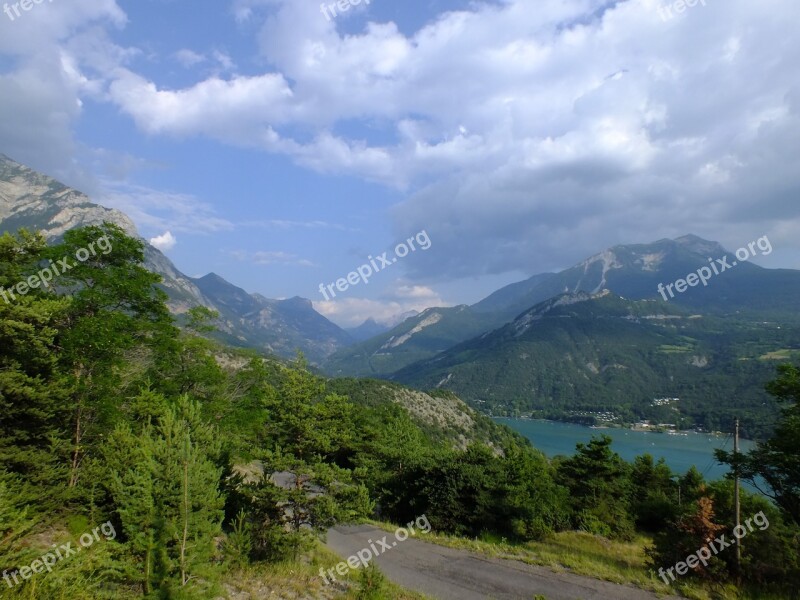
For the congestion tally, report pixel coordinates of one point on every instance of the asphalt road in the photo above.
(449, 574)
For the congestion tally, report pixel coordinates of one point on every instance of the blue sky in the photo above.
(262, 141)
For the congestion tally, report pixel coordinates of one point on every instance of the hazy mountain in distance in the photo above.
(368, 329)
(372, 326)
(38, 202)
(278, 326)
(511, 295)
(422, 336)
(631, 271)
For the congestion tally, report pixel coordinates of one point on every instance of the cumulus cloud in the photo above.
(541, 130)
(164, 242)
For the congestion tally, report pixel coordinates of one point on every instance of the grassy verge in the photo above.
(592, 556)
(300, 580)
(573, 552)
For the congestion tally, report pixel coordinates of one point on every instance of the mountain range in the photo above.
(630, 271)
(38, 202)
(597, 337)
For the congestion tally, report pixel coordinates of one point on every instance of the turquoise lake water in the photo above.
(679, 451)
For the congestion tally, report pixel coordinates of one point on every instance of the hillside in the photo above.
(441, 414)
(419, 337)
(584, 353)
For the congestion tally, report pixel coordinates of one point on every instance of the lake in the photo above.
(679, 451)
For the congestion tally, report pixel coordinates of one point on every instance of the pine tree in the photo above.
(33, 389)
(168, 498)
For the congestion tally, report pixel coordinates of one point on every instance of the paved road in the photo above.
(449, 574)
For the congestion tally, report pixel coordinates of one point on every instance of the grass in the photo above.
(301, 580)
(784, 354)
(671, 349)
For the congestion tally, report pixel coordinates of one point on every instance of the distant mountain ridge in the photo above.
(35, 201)
(635, 271)
(372, 326)
(630, 271)
(422, 336)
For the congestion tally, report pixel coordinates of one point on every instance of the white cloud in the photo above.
(160, 210)
(271, 258)
(189, 58)
(285, 224)
(399, 298)
(164, 242)
(280, 258)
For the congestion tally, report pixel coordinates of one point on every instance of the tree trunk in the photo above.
(73, 474)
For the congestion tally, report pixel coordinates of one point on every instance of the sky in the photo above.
(283, 145)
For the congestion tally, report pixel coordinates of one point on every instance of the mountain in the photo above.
(38, 202)
(368, 329)
(632, 271)
(372, 327)
(278, 326)
(510, 296)
(635, 271)
(416, 338)
(582, 353)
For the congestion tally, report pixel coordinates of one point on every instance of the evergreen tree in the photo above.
(598, 484)
(168, 498)
(33, 389)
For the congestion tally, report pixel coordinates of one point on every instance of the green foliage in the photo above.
(16, 522)
(304, 423)
(654, 498)
(238, 544)
(605, 354)
(34, 391)
(598, 483)
(165, 483)
(298, 502)
(769, 551)
(371, 584)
